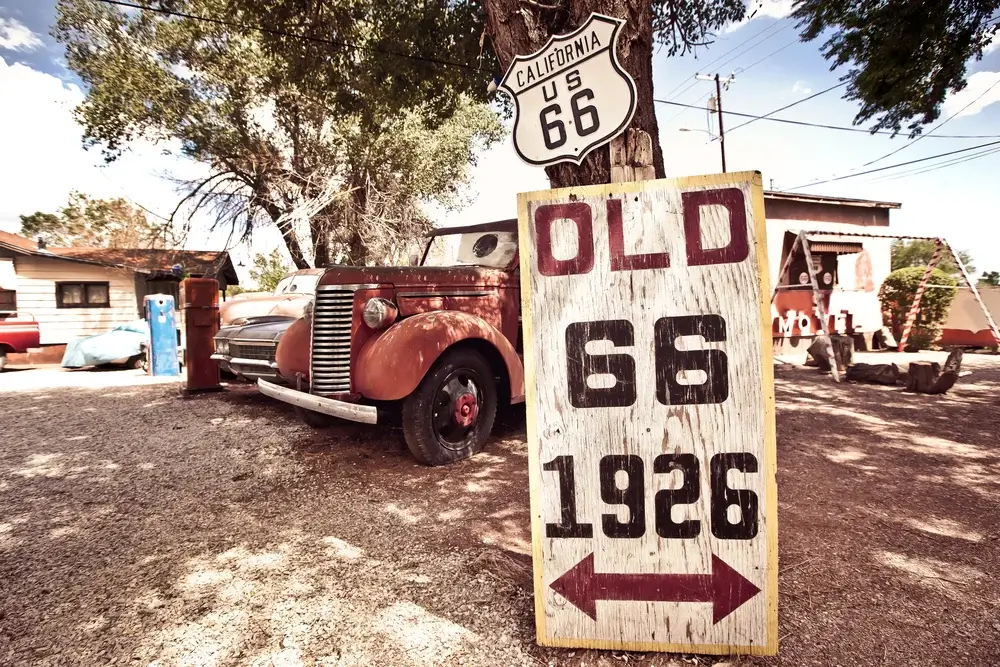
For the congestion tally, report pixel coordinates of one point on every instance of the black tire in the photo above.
(431, 414)
(315, 419)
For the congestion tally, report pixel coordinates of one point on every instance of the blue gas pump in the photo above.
(162, 319)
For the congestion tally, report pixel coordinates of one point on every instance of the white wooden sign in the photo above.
(572, 95)
(651, 415)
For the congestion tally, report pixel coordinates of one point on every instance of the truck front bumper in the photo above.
(365, 414)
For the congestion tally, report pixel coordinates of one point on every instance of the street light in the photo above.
(718, 107)
(691, 129)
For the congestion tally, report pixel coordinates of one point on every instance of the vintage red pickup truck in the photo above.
(441, 341)
(17, 334)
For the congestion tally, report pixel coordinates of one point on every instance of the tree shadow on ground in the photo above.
(887, 505)
(219, 529)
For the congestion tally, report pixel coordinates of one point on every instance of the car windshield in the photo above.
(494, 249)
(295, 284)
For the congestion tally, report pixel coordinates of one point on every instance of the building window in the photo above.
(83, 295)
(8, 301)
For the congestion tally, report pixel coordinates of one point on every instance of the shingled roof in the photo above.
(200, 263)
(17, 243)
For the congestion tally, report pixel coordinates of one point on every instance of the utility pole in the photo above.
(718, 107)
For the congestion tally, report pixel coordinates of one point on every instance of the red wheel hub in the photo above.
(466, 409)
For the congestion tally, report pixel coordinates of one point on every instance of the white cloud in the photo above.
(800, 88)
(993, 45)
(777, 9)
(44, 157)
(979, 83)
(15, 36)
(758, 9)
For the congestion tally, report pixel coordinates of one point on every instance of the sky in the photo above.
(45, 158)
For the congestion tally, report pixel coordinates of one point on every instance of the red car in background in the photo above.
(17, 334)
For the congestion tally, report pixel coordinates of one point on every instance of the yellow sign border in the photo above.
(770, 445)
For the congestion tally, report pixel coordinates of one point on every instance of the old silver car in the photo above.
(247, 348)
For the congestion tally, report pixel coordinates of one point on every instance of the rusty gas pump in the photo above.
(201, 323)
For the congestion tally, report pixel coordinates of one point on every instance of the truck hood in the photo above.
(418, 276)
(269, 331)
(290, 305)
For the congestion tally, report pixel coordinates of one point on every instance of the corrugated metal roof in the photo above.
(819, 234)
(818, 199)
(839, 248)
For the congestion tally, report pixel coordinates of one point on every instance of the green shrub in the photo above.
(897, 294)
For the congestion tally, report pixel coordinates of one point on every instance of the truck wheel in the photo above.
(3, 360)
(450, 414)
(315, 419)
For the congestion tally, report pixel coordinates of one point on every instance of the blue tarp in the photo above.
(115, 345)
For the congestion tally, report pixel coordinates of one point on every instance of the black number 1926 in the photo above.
(632, 495)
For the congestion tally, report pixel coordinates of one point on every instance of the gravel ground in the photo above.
(140, 527)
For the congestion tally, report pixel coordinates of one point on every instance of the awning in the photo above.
(839, 248)
(825, 243)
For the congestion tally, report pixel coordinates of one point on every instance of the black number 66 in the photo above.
(669, 361)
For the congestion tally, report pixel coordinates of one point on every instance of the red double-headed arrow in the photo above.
(725, 588)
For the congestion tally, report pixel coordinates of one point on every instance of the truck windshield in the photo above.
(305, 284)
(495, 250)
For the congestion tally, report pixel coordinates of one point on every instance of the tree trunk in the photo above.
(321, 240)
(843, 350)
(518, 27)
(921, 376)
(887, 374)
(950, 372)
(928, 377)
(288, 234)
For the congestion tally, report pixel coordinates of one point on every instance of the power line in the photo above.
(751, 48)
(818, 125)
(923, 170)
(688, 106)
(935, 128)
(283, 33)
(772, 53)
(721, 56)
(789, 106)
(893, 166)
(709, 65)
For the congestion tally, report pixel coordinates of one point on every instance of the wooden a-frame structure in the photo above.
(802, 240)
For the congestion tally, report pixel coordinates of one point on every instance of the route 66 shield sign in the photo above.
(572, 95)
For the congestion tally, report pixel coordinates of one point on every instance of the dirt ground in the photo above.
(138, 527)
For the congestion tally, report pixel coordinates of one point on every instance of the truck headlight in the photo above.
(379, 313)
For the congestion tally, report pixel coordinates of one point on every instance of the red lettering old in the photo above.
(581, 215)
(737, 249)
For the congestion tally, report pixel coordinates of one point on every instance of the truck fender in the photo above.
(392, 364)
(292, 353)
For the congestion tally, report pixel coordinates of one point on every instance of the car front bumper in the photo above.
(252, 368)
(354, 412)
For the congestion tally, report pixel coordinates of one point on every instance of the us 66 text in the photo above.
(633, 496)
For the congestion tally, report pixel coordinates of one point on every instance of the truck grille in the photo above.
(260, 351)
(330, 361)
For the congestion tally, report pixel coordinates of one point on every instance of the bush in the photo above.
(897, 294)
